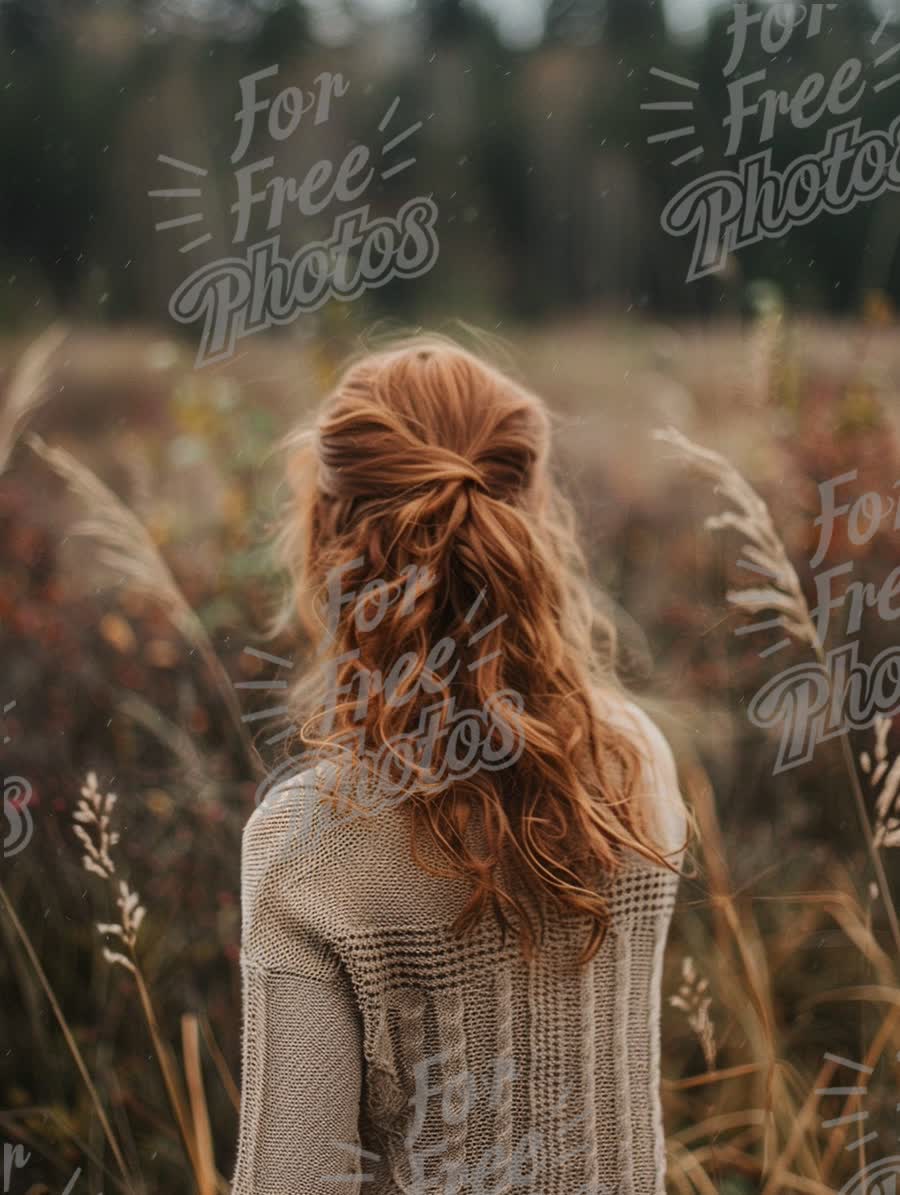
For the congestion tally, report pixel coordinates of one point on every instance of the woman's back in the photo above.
(382, 1051)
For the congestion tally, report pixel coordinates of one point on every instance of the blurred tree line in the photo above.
(538, 158)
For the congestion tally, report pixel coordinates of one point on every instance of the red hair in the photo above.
(426, 476)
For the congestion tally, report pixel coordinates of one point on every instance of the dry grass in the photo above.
(767, 973)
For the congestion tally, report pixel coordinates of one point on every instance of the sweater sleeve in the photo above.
(666, 813)
(301, 1041)
(664, 807)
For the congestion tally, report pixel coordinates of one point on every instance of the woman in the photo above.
(451, 961)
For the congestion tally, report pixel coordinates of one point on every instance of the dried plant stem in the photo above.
(839, 1133)
(717, 1076)
(738, 933)
(128, 549)
(13, 1127)
(729, 927)
(720, 1151)
(190, 1043)
(874, 852)
(70, 1041)
(860, 802)
(804, 1118)
(169, 1074)
(92, 825)
(690, 1168)
(218, 1058)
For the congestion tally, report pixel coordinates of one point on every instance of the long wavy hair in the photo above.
(461, 666)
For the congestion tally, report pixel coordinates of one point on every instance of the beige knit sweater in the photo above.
(382, 1054)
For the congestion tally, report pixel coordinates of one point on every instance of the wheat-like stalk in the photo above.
(91, 823)
(764, 551)
(172, 736)
(127, 548)
(887, 803)
(28, 388)
(69, 1037)
(694, 1000)
(95, 810)
(126, 545)
(767, 555)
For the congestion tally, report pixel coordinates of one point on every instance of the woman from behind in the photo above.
(455, 906)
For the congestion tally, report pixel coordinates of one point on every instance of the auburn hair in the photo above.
(423, 526)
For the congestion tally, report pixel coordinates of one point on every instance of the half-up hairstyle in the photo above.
(434, 564)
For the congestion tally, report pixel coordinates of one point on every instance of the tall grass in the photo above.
(755, 1025)
(774, 1139)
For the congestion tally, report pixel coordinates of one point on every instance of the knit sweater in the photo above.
(382, 1053)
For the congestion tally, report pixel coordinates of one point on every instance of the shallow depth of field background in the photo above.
(534, 148)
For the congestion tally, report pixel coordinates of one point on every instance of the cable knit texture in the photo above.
(383, 1054)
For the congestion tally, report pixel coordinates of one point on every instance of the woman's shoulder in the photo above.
(665, 811)
(316, 820)
(281, 818)
(292, 813)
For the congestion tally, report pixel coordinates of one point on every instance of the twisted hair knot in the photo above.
(449, 467)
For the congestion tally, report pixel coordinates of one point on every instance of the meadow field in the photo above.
(137, 500)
